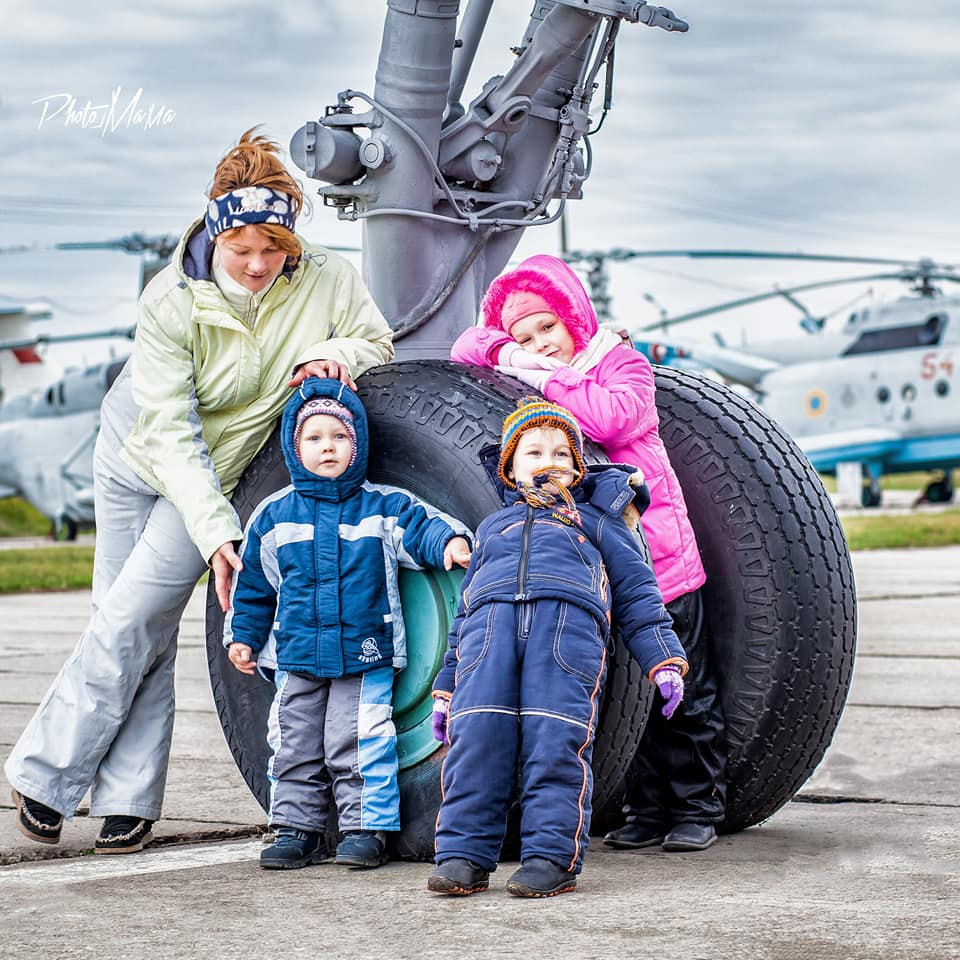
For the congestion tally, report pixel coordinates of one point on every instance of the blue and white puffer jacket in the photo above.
(320, 560)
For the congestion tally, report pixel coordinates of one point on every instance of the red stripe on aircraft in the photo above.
(27, 355)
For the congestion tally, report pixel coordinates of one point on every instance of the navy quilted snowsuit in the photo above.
(526, 666)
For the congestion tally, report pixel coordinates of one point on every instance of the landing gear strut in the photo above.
(870, 493)
(64, 529)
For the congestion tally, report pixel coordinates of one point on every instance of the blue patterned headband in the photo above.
(249, 205)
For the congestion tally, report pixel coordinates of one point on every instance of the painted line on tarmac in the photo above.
(87, 869)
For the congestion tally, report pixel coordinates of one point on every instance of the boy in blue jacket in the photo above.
(521, 682)
(319, 578)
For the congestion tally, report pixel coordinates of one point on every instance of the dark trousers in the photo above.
(678, 772)
(528, 686)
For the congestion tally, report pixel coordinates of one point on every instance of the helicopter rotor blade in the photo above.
(162, 246)
(621, 253)
(43, 338)
(771, 294)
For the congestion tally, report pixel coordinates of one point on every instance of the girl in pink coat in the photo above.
(538, 325)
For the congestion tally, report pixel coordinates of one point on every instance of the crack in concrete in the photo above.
(196, 836)
(911, 596)
(901, 706)
(826, 799)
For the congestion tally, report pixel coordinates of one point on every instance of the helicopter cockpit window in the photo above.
(926, 334)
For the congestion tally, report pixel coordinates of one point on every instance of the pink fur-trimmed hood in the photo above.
(550, 278)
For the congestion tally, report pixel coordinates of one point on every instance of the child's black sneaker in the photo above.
(35, 820)
(293, 849)
(123, 835)
(362, 848)
(541, 878)
(458, 877)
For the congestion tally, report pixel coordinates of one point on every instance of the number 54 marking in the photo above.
(932, 362)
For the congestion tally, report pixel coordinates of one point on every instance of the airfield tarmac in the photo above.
(864, 864)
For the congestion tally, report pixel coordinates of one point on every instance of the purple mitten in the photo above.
(669, 682)
(441, 707)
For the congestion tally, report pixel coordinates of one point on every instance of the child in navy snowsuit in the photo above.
(521, 683)
(320, 574)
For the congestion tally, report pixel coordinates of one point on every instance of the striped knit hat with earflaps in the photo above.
(328, 407)
(535, 412)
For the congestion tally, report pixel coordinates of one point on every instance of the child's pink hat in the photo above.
(519, 304)
(541, 284)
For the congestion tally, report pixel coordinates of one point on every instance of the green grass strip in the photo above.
(19, 519)
(71, 568)
(46, 568)
(895, 532)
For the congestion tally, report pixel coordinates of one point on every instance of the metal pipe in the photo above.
(471, 29)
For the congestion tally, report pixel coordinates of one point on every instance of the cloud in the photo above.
(790, 126)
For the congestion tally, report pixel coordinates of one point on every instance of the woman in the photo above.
(243, 304)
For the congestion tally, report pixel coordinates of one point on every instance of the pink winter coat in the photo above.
(613, 401)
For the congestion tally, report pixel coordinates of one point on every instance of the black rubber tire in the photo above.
(779, 599)
(428, 421)
(64, 531)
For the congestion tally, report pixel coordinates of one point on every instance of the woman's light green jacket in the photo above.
(209, 388)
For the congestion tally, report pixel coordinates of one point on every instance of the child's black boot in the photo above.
(458, 877)
(362, 848)
(690, 837)
(293, 849)
(541, 878)
(634, 834)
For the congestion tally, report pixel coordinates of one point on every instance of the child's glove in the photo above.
(532, 378)
(441, 708)
(513, 355)
(669, 682)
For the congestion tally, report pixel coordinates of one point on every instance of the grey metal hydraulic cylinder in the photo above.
(406, 256)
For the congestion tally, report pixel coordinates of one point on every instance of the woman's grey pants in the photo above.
(107, 720)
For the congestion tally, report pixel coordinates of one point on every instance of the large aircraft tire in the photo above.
(428, 421)
(780, 598)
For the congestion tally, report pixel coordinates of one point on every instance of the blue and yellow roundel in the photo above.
(816, 403)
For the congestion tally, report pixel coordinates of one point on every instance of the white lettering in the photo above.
(105, 117)
(67, 98)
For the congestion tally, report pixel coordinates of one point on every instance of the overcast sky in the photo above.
(816, 127)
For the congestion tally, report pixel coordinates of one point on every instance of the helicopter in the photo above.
(48, 427)
(874, 397)
(35, 464)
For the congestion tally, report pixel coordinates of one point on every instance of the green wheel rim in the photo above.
(429, 599)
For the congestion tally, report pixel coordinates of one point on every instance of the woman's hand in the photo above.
(223, 562)
(329, 369)
(241, 656)
(457, 551)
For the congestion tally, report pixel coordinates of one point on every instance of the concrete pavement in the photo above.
(863, 865)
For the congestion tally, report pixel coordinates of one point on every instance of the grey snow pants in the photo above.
(334, 734)
(106, 722)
